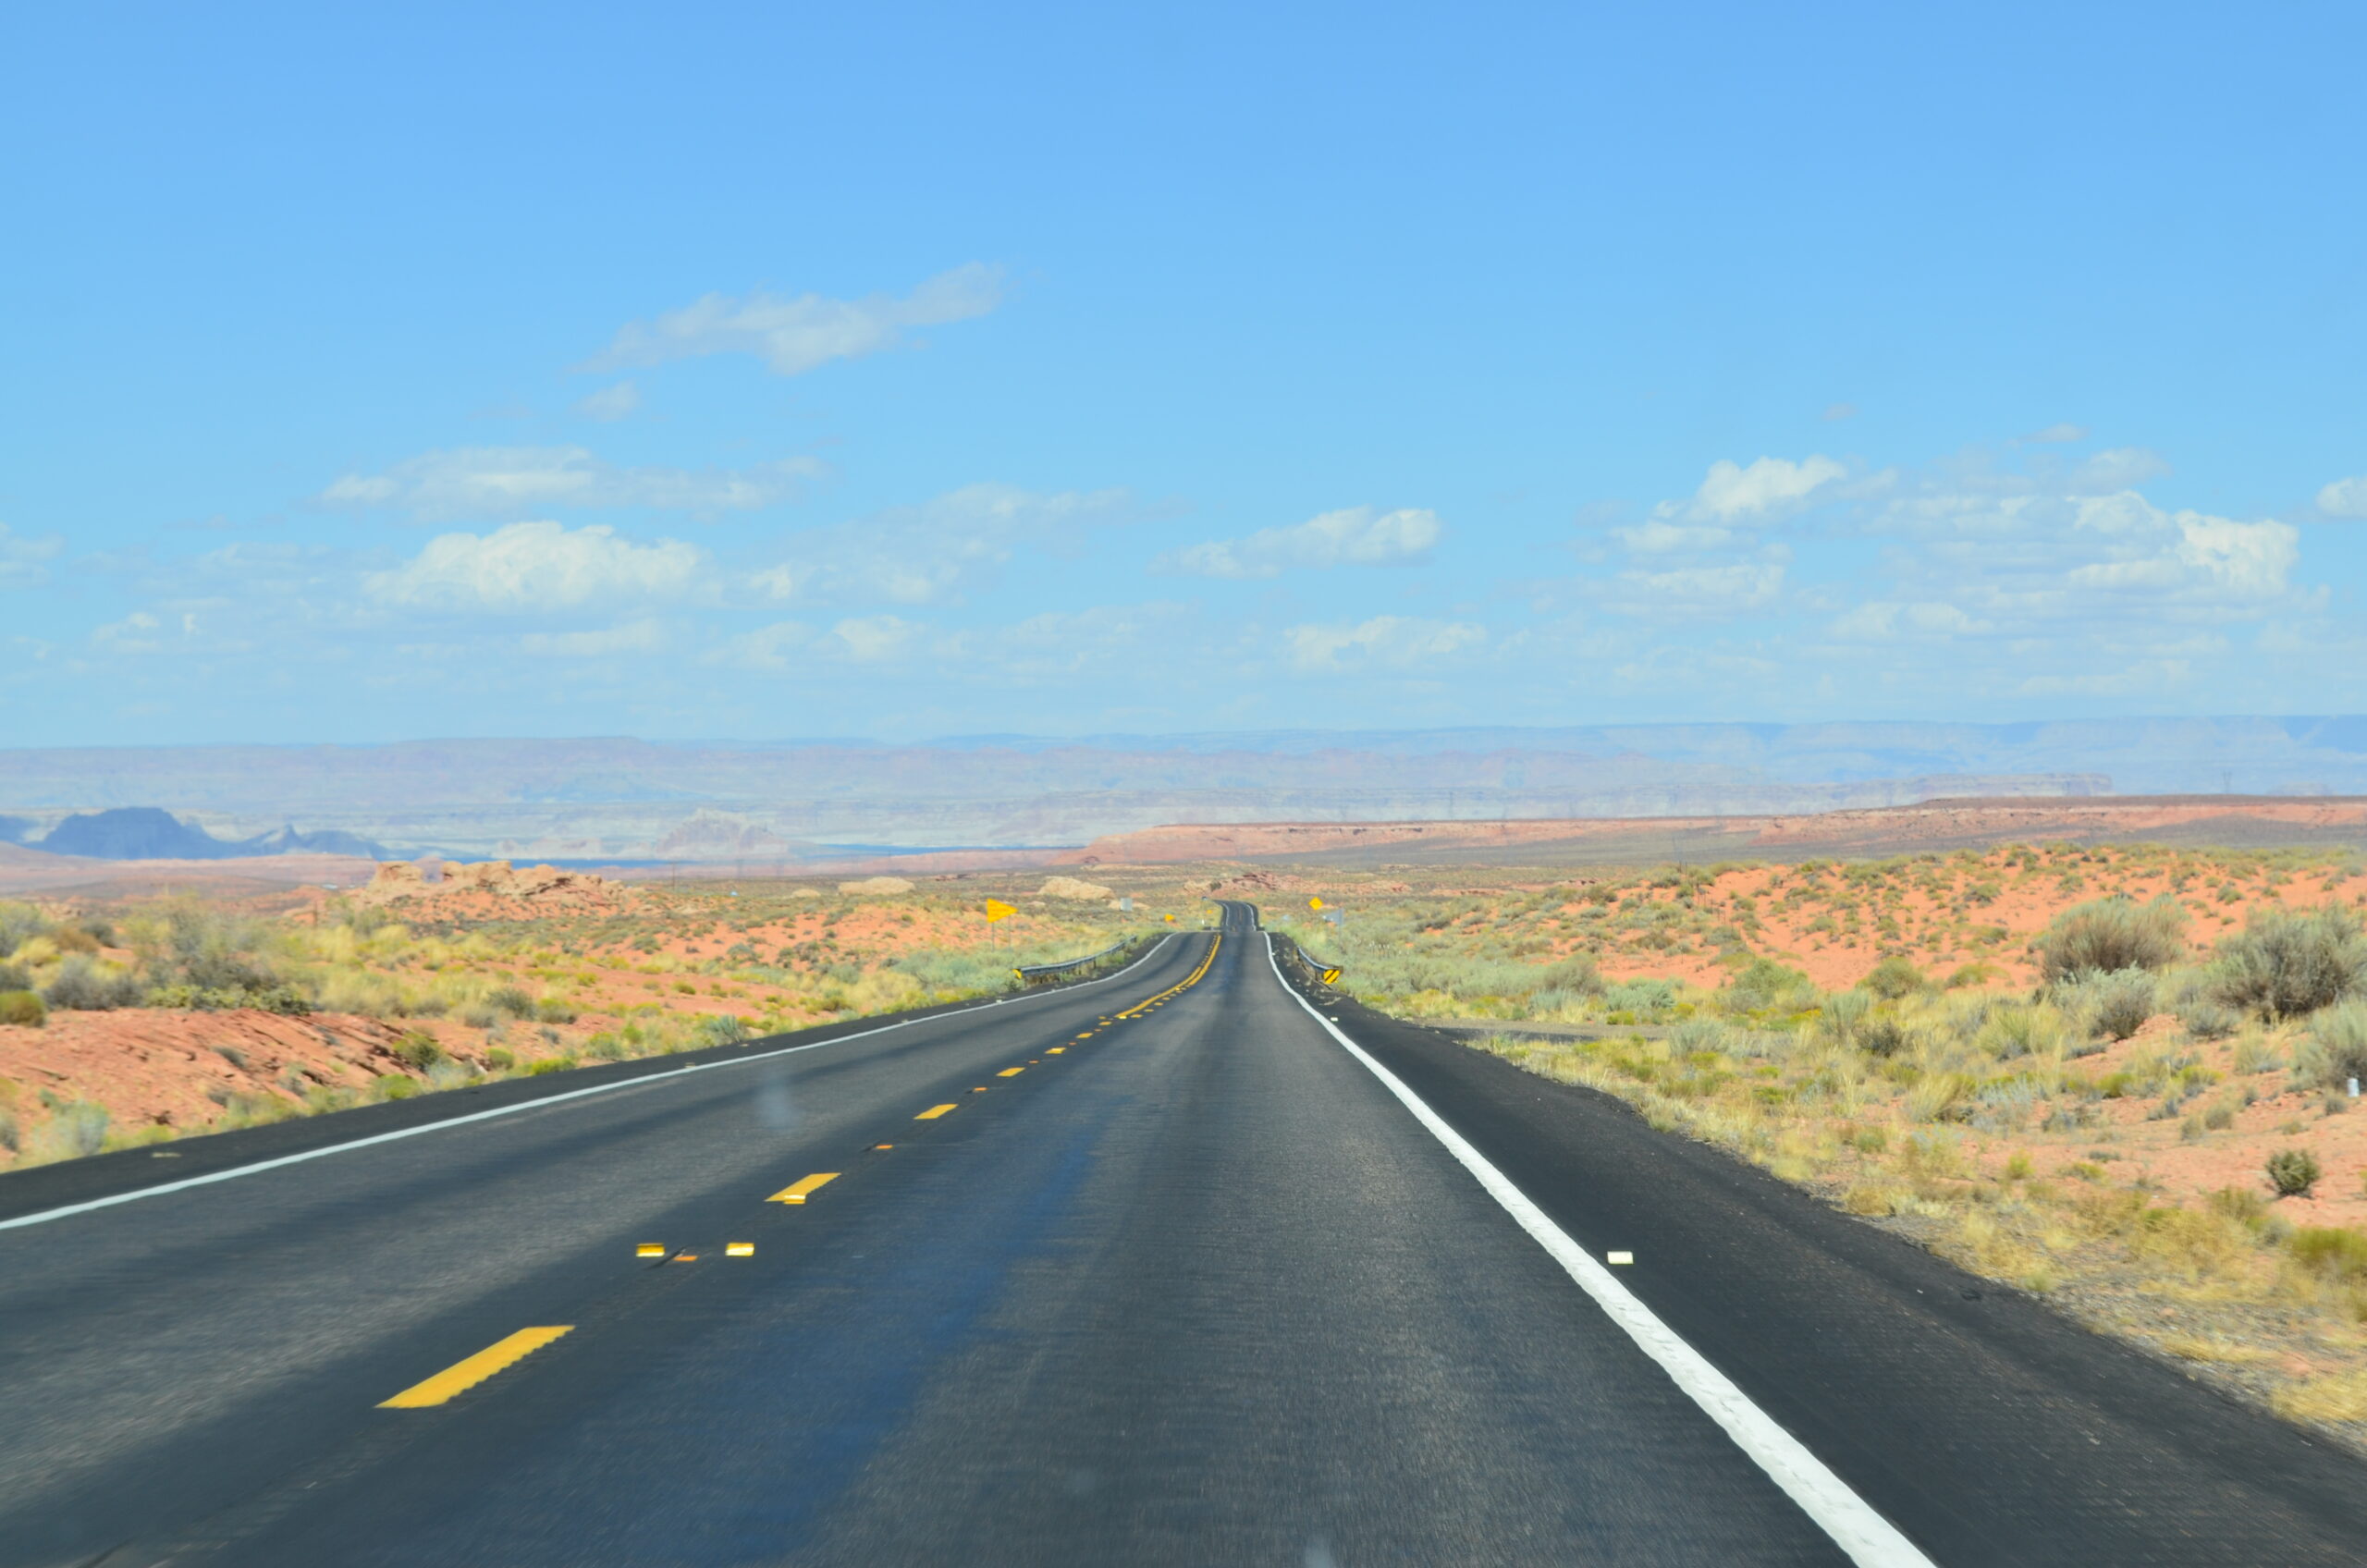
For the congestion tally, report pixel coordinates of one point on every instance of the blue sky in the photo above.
(894, 371)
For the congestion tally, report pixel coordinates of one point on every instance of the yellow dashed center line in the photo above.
(463, 1376)
(799, 1190)
(1184, 984)
(1011, 1072)
(932, 1113)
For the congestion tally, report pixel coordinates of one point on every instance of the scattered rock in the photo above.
(875, 886)
(1070, 887)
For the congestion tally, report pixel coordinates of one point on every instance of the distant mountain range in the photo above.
(149, 833)
(612, 799)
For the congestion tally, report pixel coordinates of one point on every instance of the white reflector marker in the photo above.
(1619, 1258)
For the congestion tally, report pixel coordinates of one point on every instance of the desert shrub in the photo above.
(74, 1130)
(393, 1087)
(24, 1009)
(2331, 1251)
(721, 1029)
(480, 1015)
(284, 999)
(550, 1064)
(1844, 1012)
(2293, 1172)
(2207, 1020)
(500, 1059)
(12, 978)
(1893, 978)
(2335, 1050)
(511, 1000)
(2111, 1003)
(1883, 1035)
(418, 1050)
(1762, 984)
(2284, 964)
(2012, 1031)
(2113, 934)
(84, 986)
(19, 924)
(550, 1010)
(1642, 996)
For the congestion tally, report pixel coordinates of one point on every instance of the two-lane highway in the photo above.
(1184, 1275)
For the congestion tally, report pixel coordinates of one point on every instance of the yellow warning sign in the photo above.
(998, 910)
(1315, 903)
(1329, 975)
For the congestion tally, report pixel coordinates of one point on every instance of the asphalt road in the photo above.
(1194, 1285)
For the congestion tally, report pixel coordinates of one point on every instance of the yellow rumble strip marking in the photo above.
(932, 1113)
(797, 1191)
(1011, 1072)
(463, 1376)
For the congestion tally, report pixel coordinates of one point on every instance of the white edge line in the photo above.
(1871, 1541)
(541, 1101)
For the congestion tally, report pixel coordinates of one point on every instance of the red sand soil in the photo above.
(153, 1067)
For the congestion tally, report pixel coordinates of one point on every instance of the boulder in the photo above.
(1072, 889)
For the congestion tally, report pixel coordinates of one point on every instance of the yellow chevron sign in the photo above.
(998, 910)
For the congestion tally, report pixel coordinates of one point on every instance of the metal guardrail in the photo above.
(1037, 974)
(1294, 958)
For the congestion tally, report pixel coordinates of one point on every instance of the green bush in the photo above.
(24, 1009)
(2332, 1251)
(1884, 1035)
(552, 1011)
(511, 1000)
(550, 1064)
(721, 1029)
(418, 1050)
(2293, 1172)
(500, 1059)
(2113, 934)
(2114, 1003)
(1893, 978)
(2335, 1050)
(394, 1086)
(82, 985)
(2284, 964)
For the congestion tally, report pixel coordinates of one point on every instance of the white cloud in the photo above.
(1879, 620)
(610, 403)
(528, 566)
(1384, 643)
(2117, 470)
(2212, 557)
(2344, 498)
(1356, 535)
(766, 648)
(877, 639)
(23, 563)
(1661, 537)
(797, 335)
(2056, 434)
(936, 552)
(644, 636)
(1699, 590)
(500, 480)
(1731, 492)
